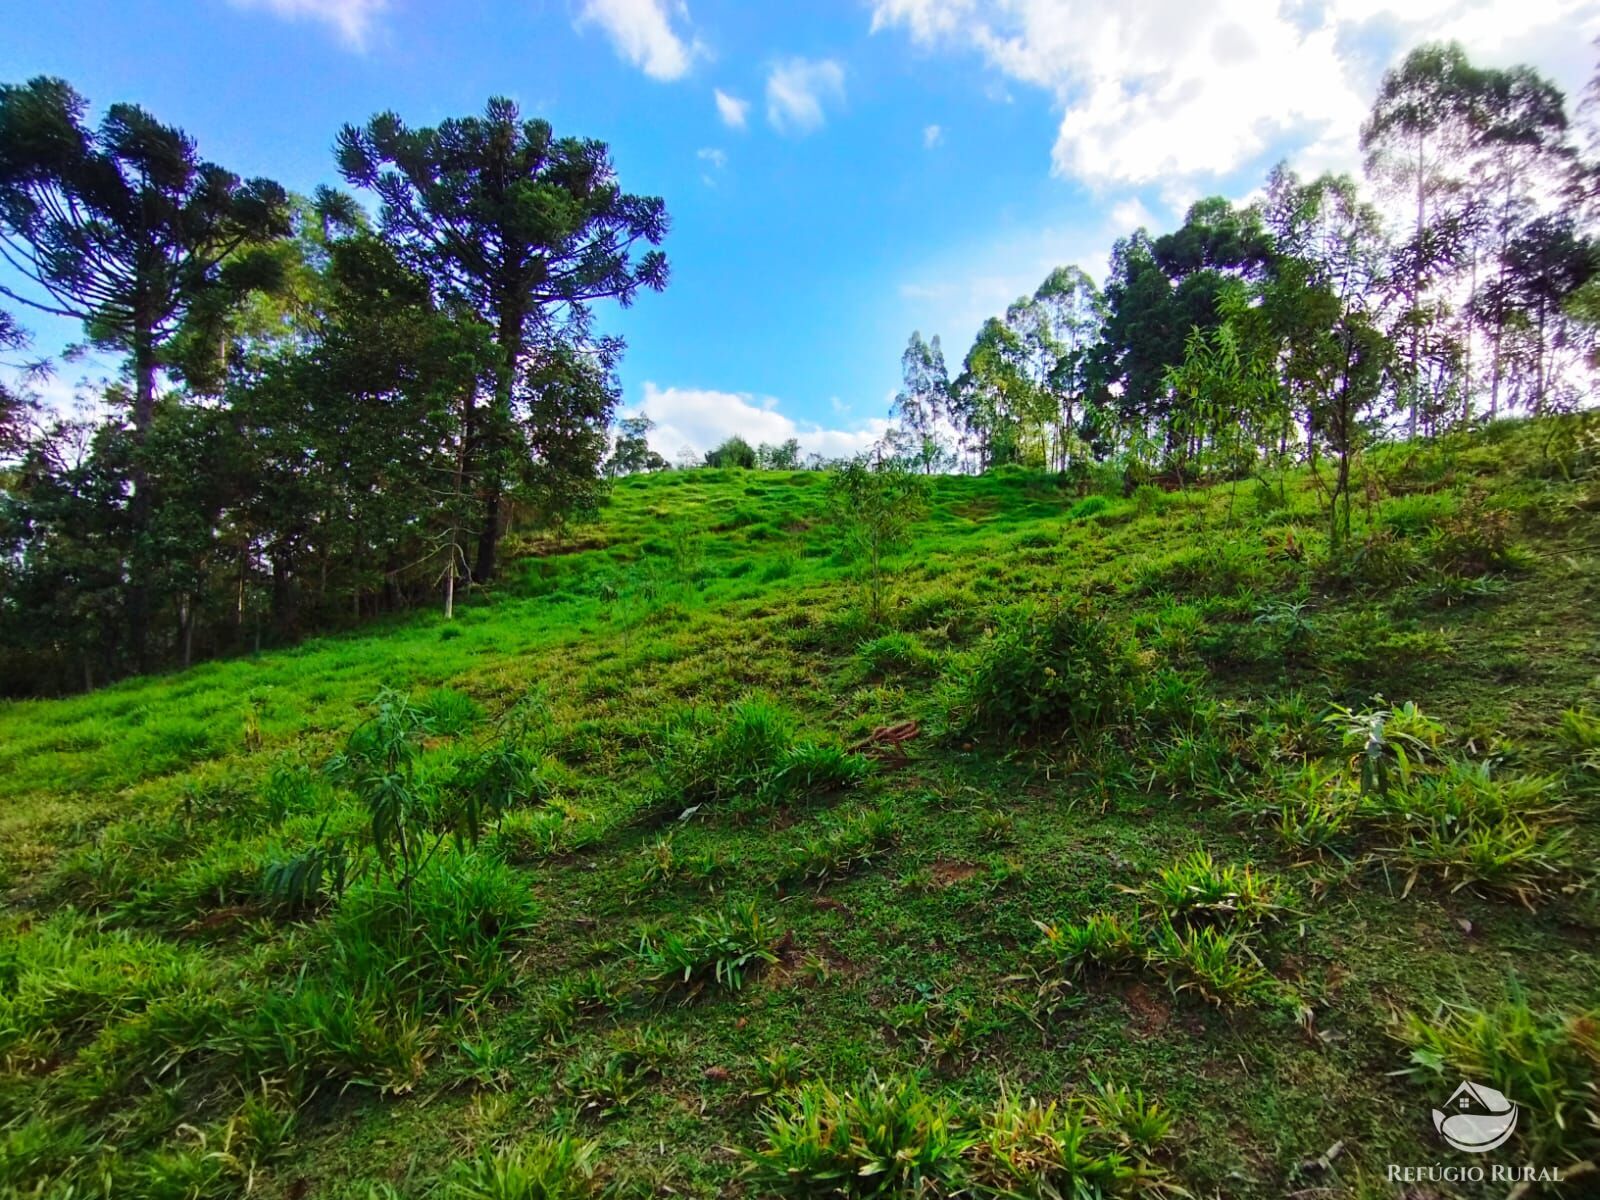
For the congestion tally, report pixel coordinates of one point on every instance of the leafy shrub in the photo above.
(844, 847)
(719, 950)
(1382, 560)
(1147, 499)
(1217, 964)
(809, 768)
(1085, 1148)
(1204, 569)
(1415, 514)
(751, 752)
(1199, 888)
(1103, 940)
(446, 941)
(1066, 671)
(1089, 506)
(607, 1081)
(1476, 542)
(559, 1167)
(894, 654)
(699, 760)
(1578, 735)
(447, 712)
(1548, 1063)
(886, 1138)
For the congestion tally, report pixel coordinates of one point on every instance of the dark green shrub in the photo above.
(1060, 672)
(1089, 506)
(886, 1138)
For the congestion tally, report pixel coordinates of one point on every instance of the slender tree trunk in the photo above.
(1416, 290)
(140, 506)
(509, 342)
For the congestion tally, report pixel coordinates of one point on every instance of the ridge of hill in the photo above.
(1154, 806)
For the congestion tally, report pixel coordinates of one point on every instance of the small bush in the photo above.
(846, 846)
(1198, 888)
(1089, 506)
(1102, 940)
(1082, 1149)
(719, 950)
(1216, 964)
(448, 713)
(1063, 672)
(810, 769)
(1477, 542)
(886, 1138)
(894, 654)
(560, 1167)
(1547, 1063)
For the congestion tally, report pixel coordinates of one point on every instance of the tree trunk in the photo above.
(139, 508)
(509, 342)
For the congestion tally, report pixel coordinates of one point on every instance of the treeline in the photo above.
(1306, 323)
(320, 416)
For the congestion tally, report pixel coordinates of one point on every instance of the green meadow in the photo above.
(1140, 845)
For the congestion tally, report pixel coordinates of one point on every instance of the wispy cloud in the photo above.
(353, 20)
(932, 135)
(642, 32)
(799, 90)
(733, 111)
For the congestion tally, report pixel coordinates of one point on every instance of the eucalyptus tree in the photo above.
(1340, 352)
(1416, 141)
(1077, 312)
(994, 394)
(525, 229)
(124, 227)
(1525, 159)
(923, 402)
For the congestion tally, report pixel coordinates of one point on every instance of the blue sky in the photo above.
(838, 172)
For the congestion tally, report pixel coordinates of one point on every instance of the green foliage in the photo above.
(895, 654)
(1215, 963)
(1089, 506)
(411, 809)
(1102, 940)
(1546, 1062)
(1063, 672)
(748, 750)
(1199, 888)
(720, 950)
(875, 506)
(560, 1167)
(885, 1138)
(842, 847)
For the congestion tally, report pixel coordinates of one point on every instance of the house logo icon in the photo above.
(1476, 1118)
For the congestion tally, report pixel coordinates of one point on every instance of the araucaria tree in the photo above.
(526, 230)
(122, 226)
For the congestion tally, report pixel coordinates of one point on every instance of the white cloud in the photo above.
(1130, 214)
(717, 158)
(1171, 90)
(353, 20)
(799, 90)
(733, 111)
(700, 418)
(641, 32)
(932, 135)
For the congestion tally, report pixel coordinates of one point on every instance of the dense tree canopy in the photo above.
(1312, 320)
(322, 417)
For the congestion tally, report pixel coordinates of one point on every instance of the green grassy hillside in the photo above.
(1165, 847)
